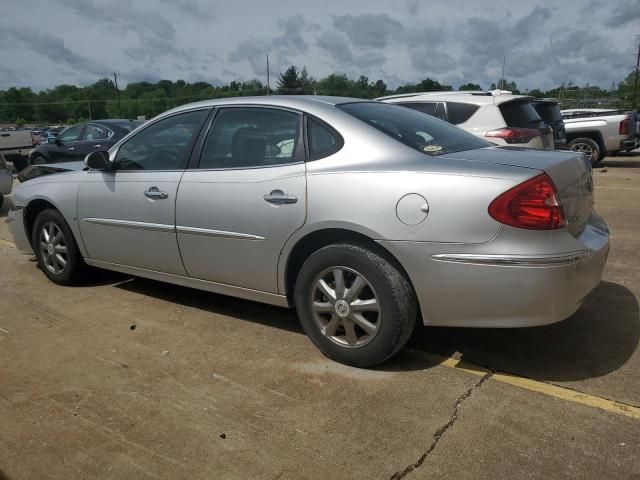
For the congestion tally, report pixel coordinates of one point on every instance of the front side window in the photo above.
(323, 141)
(71, 134)
(165, 145)
(414, 129)
(251, 137)
(95, 132)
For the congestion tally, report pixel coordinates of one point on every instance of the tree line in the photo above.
(70, 104)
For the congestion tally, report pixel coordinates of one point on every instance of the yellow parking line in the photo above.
(536, 386)
(7, 243)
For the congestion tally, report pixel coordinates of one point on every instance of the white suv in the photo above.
(498, 115)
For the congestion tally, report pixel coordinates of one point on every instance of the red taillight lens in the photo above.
(532, 205)
(516, 135)
(624, 127)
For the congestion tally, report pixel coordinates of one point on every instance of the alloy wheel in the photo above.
(53, 248)
(583, 148)
(345, 307)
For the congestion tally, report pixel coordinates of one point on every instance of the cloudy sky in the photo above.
(546, 42)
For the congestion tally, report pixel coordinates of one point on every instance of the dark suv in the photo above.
(75, 142)
(549, 111)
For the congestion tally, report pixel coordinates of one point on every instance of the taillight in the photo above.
(624, 127)
(516, 135)
(533, 205)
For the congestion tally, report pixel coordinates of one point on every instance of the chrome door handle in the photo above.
(71, 149)
(156, 194)
(97, 146)
(278, 197)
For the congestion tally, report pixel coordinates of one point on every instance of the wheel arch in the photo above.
(306, 244)
(594, 135)
(33, 209)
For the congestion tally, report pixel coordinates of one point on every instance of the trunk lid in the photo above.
(569, 171)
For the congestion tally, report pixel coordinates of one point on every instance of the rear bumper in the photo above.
(474, 289)
(15, 221)
(630, 144)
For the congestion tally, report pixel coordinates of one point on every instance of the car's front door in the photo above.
(64, 148)
(247, 195)
(127, 214)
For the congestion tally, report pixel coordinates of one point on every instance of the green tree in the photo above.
(289, 81)
(504, 84)
(470, 87)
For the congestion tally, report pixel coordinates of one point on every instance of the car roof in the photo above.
(477, 97)
(301, 102)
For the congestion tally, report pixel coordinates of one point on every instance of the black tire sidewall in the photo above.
(395, 295)
(70, 275)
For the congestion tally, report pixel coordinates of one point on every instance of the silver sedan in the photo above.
(365, 216)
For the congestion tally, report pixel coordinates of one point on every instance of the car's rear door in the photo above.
(127, 214)
(245, 197)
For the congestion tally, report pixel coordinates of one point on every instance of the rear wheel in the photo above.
(355, 305)
(56, 249)
(588, 147)
(38, 160)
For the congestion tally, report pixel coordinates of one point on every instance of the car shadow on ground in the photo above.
(245, 310)
(596, 340)
(622, 160)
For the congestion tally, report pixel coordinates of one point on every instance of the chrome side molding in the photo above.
(517, 260)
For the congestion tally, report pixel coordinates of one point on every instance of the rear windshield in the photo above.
(417, 130)
(520, 114)
(549, 112)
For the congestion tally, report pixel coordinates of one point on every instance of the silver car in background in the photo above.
(6, 179)
(363, 215)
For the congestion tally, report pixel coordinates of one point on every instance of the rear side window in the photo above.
(414, 129)
(323, 140)
(251, 137)
(428, 108)
(520, 114)
(460, 112)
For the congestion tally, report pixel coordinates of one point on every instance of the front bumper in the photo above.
(15, 221)
(469, 288)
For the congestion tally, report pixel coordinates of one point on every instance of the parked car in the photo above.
(15, 146)
(377, 213)
(6, 179)
(498, 116)
(549, 111)
(598, 132)
(75, 142)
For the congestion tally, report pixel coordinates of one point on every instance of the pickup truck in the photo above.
(600, 132)
(15, 146)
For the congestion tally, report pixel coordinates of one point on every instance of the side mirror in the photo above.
(98, 160)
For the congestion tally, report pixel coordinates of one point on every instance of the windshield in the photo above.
(417, 130)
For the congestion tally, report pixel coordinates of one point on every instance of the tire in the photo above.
(48, 253)
(325, 318)
(1, 200)
(20, 164)
(38, 160)
(587, 146)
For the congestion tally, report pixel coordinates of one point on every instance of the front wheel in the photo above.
(56, 249)
(38, 160)
(588, 147)
(355, 305)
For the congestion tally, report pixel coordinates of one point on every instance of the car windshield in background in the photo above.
(520, 114)
(415, 129)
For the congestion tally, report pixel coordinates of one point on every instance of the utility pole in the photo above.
(635, 78)
(115, 80)
(89, 107)
(504, 60)
(268, 79)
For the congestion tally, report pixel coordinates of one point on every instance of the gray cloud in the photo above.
(368, 30)
(626, 11)
(453, 41)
